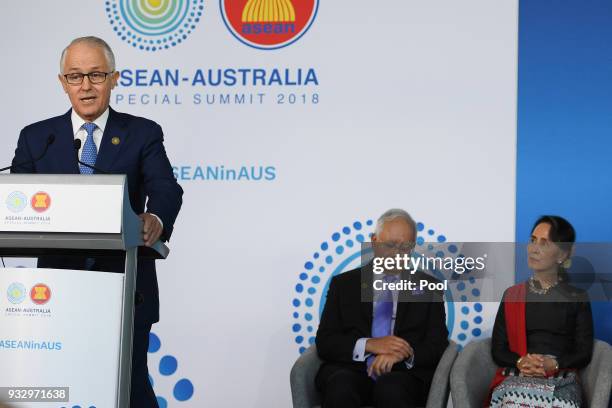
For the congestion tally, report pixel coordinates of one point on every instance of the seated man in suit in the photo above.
(93, 136)
(380, 353)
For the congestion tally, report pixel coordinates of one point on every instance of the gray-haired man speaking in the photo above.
(115, 143)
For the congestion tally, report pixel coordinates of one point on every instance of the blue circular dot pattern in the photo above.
(154, 343)
(168, 366)
(339, 253)
(153, 29)
(183, 390)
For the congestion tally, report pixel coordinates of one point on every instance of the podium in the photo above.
(66, 335)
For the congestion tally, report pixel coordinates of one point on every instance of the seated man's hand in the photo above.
(383, 363)
(532, 365)
(151, 229)
(389, 345)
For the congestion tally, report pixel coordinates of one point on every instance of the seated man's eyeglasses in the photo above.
(399, 246)
(76, 78)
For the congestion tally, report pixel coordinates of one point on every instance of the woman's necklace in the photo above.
(540, 290)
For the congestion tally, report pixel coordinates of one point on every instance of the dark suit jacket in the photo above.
(141, 156)
(420, 321)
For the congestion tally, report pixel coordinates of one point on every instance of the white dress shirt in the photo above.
(81, 134)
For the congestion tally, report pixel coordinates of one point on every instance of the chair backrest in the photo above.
(302, 379)
(596, 378)
(472, 373)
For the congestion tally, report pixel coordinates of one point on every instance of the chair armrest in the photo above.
(471, 374)
(302, 379)
(440, 384)
(596, 378)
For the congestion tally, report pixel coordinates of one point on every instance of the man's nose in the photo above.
(86, 83)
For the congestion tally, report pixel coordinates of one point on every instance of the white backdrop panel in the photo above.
(417, 107)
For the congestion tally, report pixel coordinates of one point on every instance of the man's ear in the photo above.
(114, 78)
(64, 84)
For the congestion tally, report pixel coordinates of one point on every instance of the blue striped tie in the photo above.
(90, 151)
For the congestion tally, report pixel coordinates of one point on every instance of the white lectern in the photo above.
(68, 330)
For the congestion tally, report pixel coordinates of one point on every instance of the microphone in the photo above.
(50, 140)
(77, 145)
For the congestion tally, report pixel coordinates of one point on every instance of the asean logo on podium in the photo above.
(16, 201)
(154, 25)
(41, 201)
(40, 294)
(268, 24)
(16, 293)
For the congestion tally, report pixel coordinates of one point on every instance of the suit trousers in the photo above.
(344, 387)
(142, 395)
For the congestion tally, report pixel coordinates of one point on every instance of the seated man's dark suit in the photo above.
(140, 154)
(345, 382)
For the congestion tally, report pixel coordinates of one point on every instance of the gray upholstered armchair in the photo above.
(474, 369)
(305, 369)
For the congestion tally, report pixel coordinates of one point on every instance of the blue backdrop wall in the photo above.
(564, 149)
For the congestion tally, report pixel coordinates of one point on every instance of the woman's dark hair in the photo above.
(562, 233)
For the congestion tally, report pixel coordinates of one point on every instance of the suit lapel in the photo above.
(366, 306)
(113, 139)
(367, 314)
(403, 303)
(401, 313)
(65, 152)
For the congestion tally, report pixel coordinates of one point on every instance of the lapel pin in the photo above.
(115, 141)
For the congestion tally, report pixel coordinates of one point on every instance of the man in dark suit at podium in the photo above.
(380, 347)
(108, 142)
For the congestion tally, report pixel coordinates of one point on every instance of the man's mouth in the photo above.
(88, 99)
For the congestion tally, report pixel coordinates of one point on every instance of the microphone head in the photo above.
(77, 144)
(51, 139)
